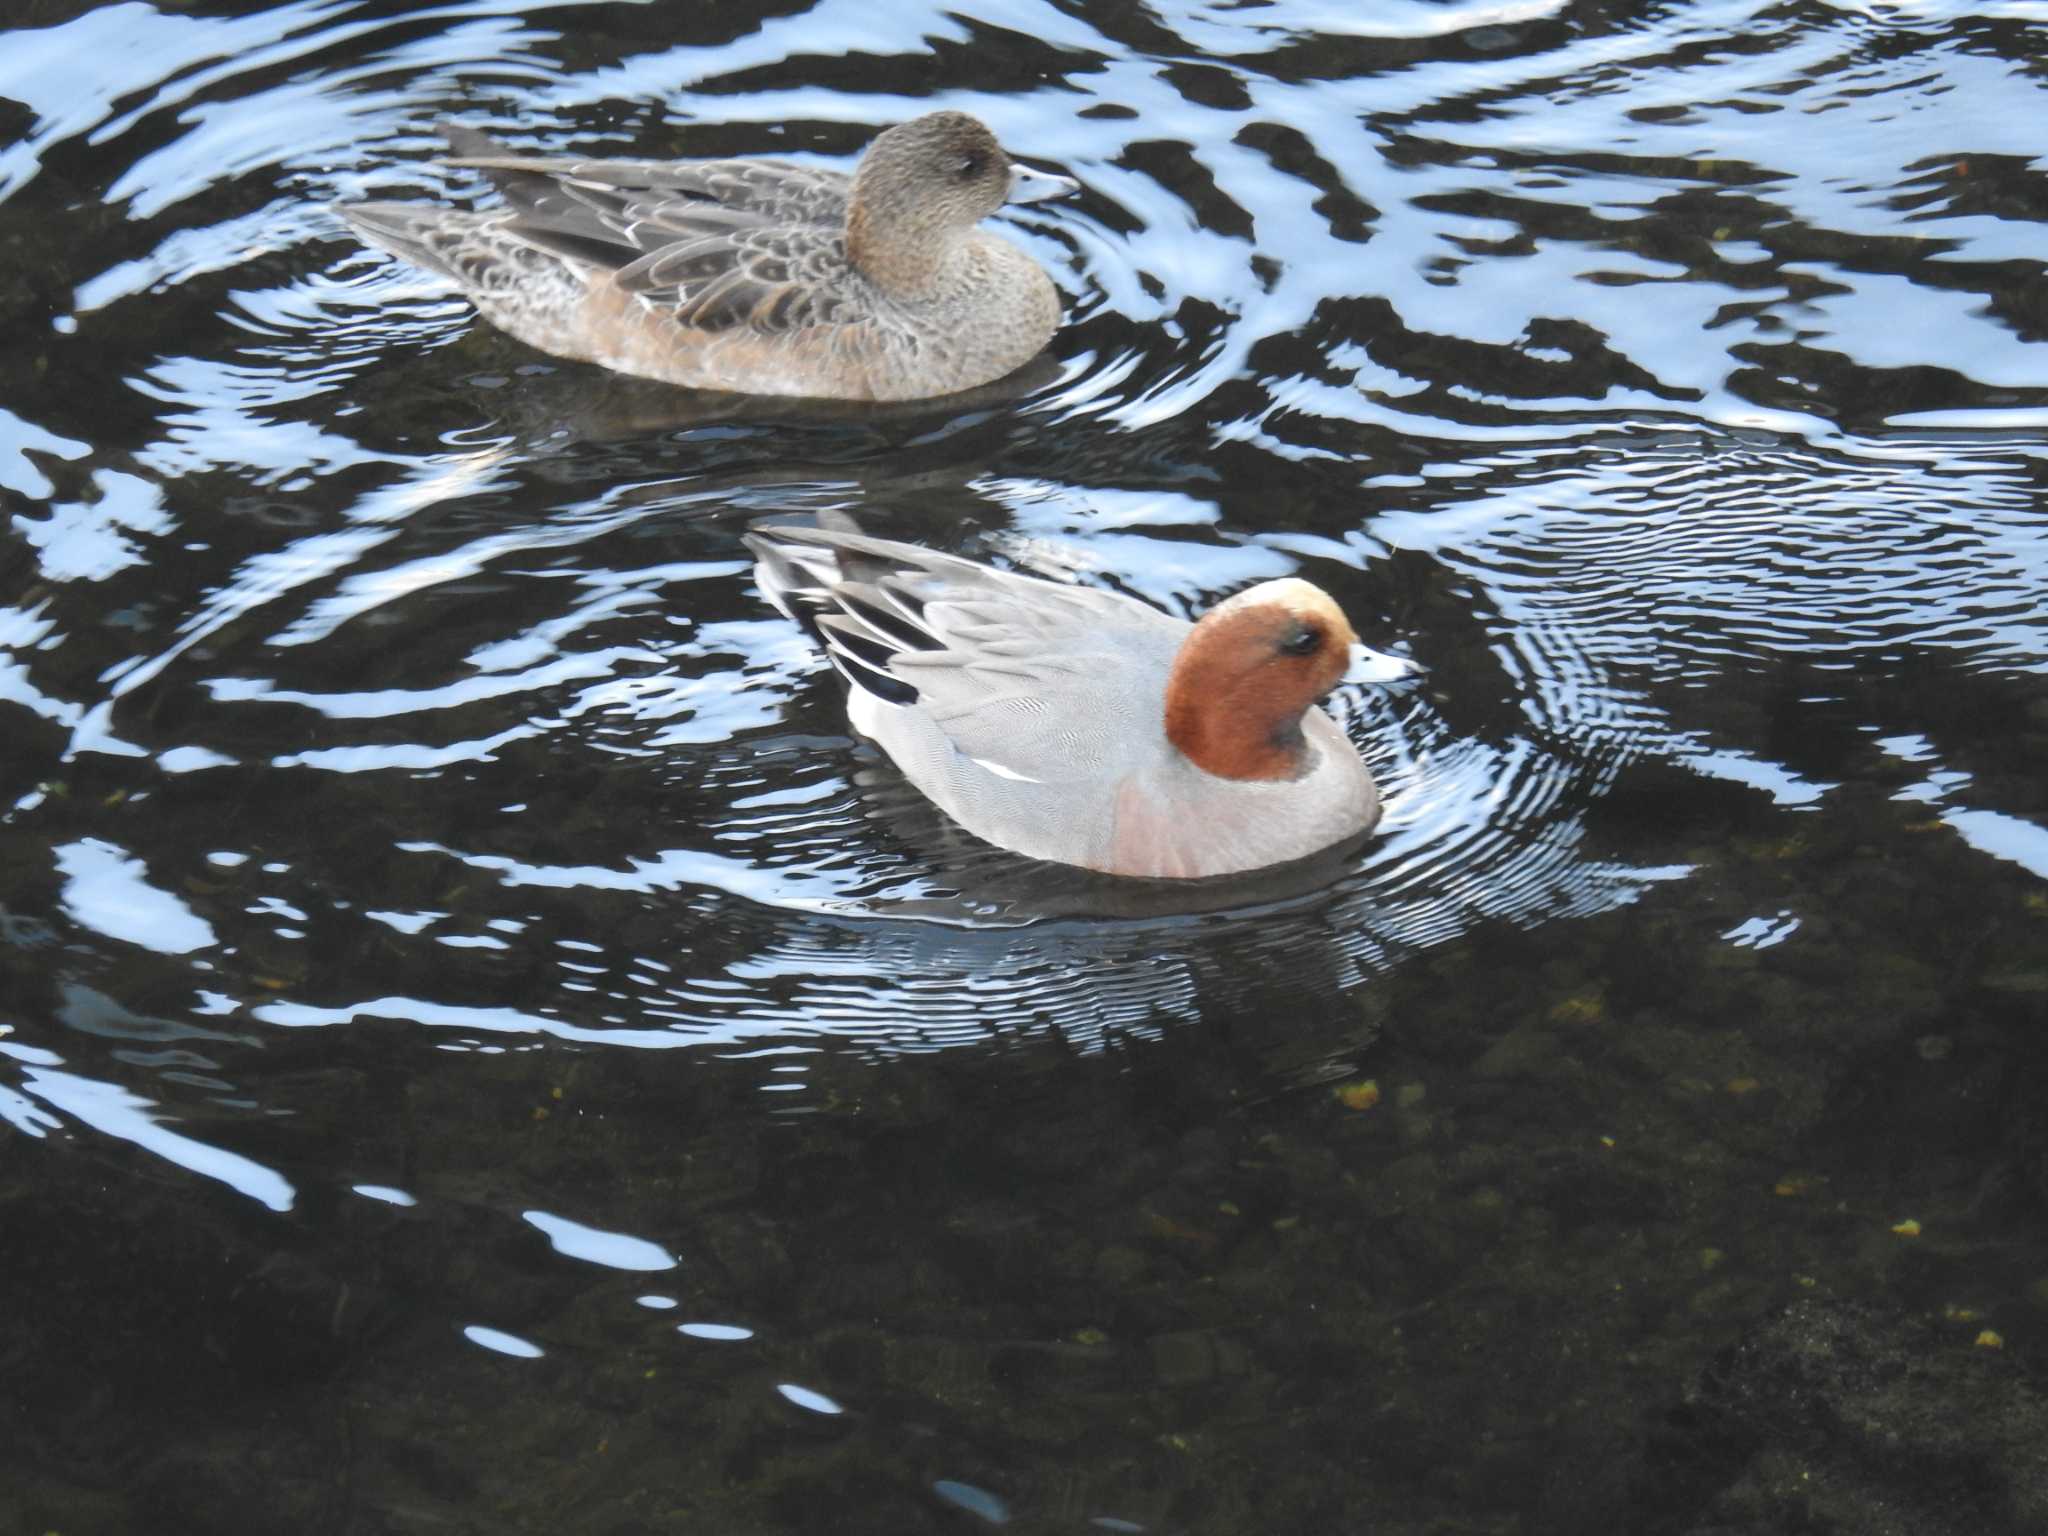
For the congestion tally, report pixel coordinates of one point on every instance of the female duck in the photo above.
(1079, 725)
(753, 275)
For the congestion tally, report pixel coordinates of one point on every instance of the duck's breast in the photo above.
(1177, 821)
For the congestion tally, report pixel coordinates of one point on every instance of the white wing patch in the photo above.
(1001, 772)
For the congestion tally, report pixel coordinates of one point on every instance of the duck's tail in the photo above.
(542, 229)
(835, 592)
(426, 236)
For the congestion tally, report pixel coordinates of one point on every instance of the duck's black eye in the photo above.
(1302, 640)
(969, 168)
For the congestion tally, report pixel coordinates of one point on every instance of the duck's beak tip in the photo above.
(1029, 186)
(1371, 666)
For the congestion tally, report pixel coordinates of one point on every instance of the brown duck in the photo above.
(752, 275)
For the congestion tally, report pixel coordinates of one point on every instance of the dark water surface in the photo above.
(484, 1050)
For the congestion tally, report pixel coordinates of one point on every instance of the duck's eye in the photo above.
(969, 168)
(1302, 640)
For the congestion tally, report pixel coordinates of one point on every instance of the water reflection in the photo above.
(113, 1112)
(1388, 274)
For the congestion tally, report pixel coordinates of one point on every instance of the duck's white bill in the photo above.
(1371, 666)
(1029, 186)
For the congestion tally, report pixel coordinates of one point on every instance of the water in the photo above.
(483, 1048)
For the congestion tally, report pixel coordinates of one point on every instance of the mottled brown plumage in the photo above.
(752, 275)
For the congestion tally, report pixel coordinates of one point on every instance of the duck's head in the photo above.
(925, 183)
(1247, 673)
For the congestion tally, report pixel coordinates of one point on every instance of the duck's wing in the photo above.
(1035, 680)
(715, 243)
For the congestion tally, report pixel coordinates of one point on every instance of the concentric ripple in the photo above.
(1636, 371)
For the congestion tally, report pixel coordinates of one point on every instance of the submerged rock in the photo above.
(1844, 1418)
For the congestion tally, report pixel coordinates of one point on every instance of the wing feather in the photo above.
(716, 244)
(1032, 679)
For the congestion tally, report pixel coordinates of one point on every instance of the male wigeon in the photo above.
(1080, 725)
(753, 275)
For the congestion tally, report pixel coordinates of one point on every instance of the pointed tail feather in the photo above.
(403, 229)
(853, 628)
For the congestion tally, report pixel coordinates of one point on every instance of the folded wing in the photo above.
(1033, 679)
(718, 244)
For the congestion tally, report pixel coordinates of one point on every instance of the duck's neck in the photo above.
(902, 263)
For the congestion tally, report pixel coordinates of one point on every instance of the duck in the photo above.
(1083, 726)
(752, 276)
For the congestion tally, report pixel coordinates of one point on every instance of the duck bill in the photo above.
(1371, 666)
(1029, 186)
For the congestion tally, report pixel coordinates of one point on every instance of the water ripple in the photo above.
(1629, 371)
